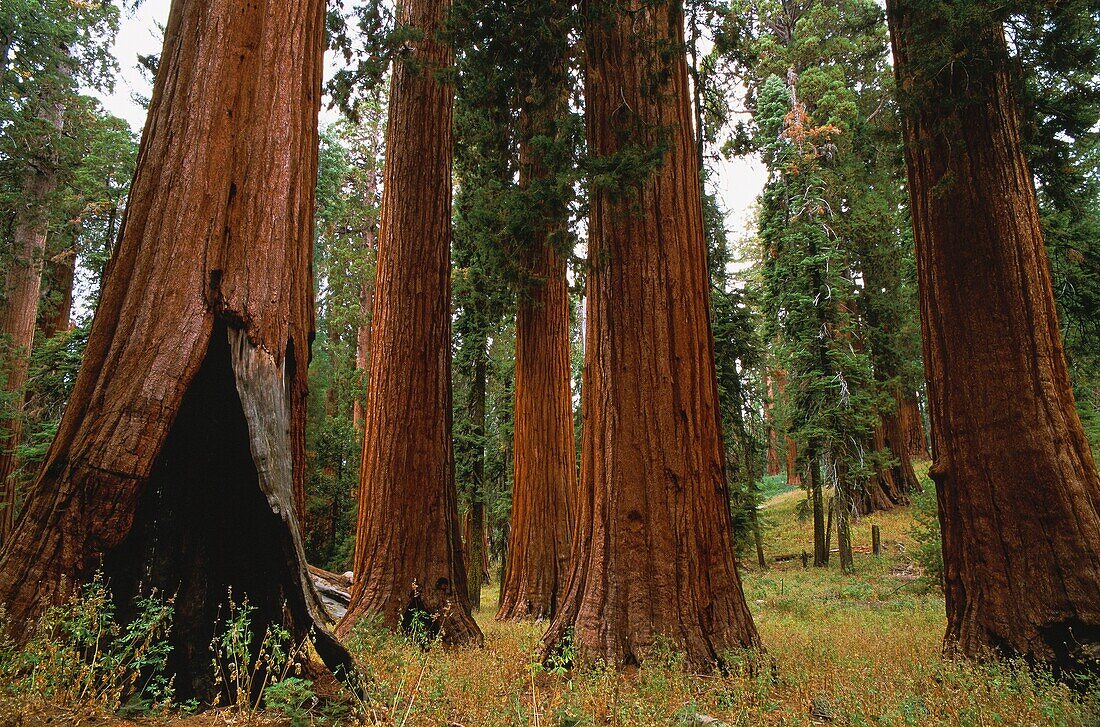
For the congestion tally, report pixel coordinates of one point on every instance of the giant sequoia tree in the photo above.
(652, 549)
(545, 458)
(177, 460)
(408, 555)
(1018, 490)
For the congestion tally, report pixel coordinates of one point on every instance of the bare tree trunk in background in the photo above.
(775, 466)
(653, 556)
(544, 453)
(902, 480)
(893, 484)
(912, 423)
(817, 498)
(182, 447)
(408, 551)
(475, 538)
(366, 291)
(1018, 489)
(842, 511)
(794, 477)
(788, 461)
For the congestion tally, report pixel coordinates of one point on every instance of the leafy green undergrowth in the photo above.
(79, 656)
(81, 664)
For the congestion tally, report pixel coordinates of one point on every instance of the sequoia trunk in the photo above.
(59, 275)
(408, 553)
(653, 557)
(893, 483)
(544, 458)
(1018, 490)
(913, 426)
(545, 453)
(366, 288)
(182, 445)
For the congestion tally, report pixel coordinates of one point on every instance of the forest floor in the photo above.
(859, 649)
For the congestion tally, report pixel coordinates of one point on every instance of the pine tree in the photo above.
(46, 52)
(808, 282)
(344, 261)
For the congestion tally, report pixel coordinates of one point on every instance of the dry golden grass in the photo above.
(860, 649)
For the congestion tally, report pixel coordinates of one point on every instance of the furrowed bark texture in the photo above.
(1018, 491)
(177, 461)
(900, 480)
(652, 552)
(913, 426)
(366, 289)
(18, 309)
(408, 554)
(545, 456)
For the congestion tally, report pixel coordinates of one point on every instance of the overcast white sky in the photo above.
(739, 180)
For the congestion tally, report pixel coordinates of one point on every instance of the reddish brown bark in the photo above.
(912, 424)
(893, 483)
(366, 290)
(900, 480)
(794, 477)
(545, 459)
(544, 444)
(408, 554)
(652, 554)
(175, 464)
(788, 461)
(1018, 491)
(774, 465)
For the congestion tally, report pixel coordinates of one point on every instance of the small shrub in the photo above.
(80, 655)
(293, 697)
(561, 659)
(247, 676)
